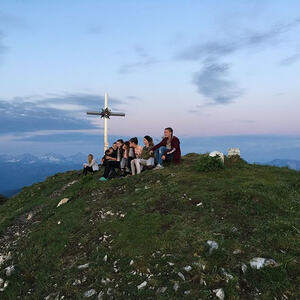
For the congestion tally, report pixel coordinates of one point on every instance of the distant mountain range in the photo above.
(291, 164)
(17, 171)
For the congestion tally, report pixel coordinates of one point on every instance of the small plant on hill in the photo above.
(207, 163)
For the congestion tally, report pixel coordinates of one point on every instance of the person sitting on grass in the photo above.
(107, 153)
(113, 161)
(168, 150)
(134, 151)
(124, 160)
(145, 159)
(91, 165)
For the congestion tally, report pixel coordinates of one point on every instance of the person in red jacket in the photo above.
(168, 149)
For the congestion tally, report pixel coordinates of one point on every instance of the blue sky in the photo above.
(207, 68)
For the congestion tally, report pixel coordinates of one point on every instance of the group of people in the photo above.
(129, 158)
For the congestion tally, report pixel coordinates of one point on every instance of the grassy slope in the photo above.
(251, 208)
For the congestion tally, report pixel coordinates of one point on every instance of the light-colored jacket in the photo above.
(93, 164)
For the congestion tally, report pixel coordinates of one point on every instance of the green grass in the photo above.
(252, 208)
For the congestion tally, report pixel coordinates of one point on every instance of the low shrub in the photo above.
(207, 163)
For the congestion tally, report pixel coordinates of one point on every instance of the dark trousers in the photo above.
(129, 162)
(87, 169)
(110, 166)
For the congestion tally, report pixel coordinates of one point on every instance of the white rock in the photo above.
(54, 296)
(4, 258)
(100, 295)
(244, 268)
(181, 276)
(105, 281)
(142, 285)
(30, 215)
(234, 151)
(63, 201)
(187, 268)
(89, 293)
(105, 258)
(202, 282)
(260, 262)
(109, 290)
(77, 282)
(3, 285)
(85, 266)
(170, 263)
(176, 286)
(227, 275)
(237, 251)
(187, 292)
(199, 204)
(217, 154)
(212, 246)
(219, 293)
(9, 270)
(131, 262)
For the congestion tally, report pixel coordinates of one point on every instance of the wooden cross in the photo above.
(106, 113)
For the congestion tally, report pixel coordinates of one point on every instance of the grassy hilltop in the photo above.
(145, 237)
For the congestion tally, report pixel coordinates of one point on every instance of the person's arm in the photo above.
(90, 164)
(110, 158)
(162, 143)
(174, 144)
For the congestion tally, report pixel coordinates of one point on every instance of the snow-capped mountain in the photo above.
(54, 158)
(17, 171)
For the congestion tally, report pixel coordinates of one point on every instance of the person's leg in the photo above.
(89, 169)
(109, 166)
(122, 163)
(159, 153)
(138, 166)
(129, 162)
(169, 158)
(150, 162)
(133, 164)
(84, 171)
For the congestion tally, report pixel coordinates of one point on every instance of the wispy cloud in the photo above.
(144, 60)
(212, 79)
(54, 112)
(212, 82)
(290, 60)
(9, 21)
(96, 29)
(229, 45)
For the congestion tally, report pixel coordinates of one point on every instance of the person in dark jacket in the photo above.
(168, 149)
(113, 160)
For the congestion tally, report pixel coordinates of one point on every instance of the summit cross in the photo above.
(106, 113)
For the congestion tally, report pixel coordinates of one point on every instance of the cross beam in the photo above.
(106, 113)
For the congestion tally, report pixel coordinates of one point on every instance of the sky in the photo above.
(213, 70)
